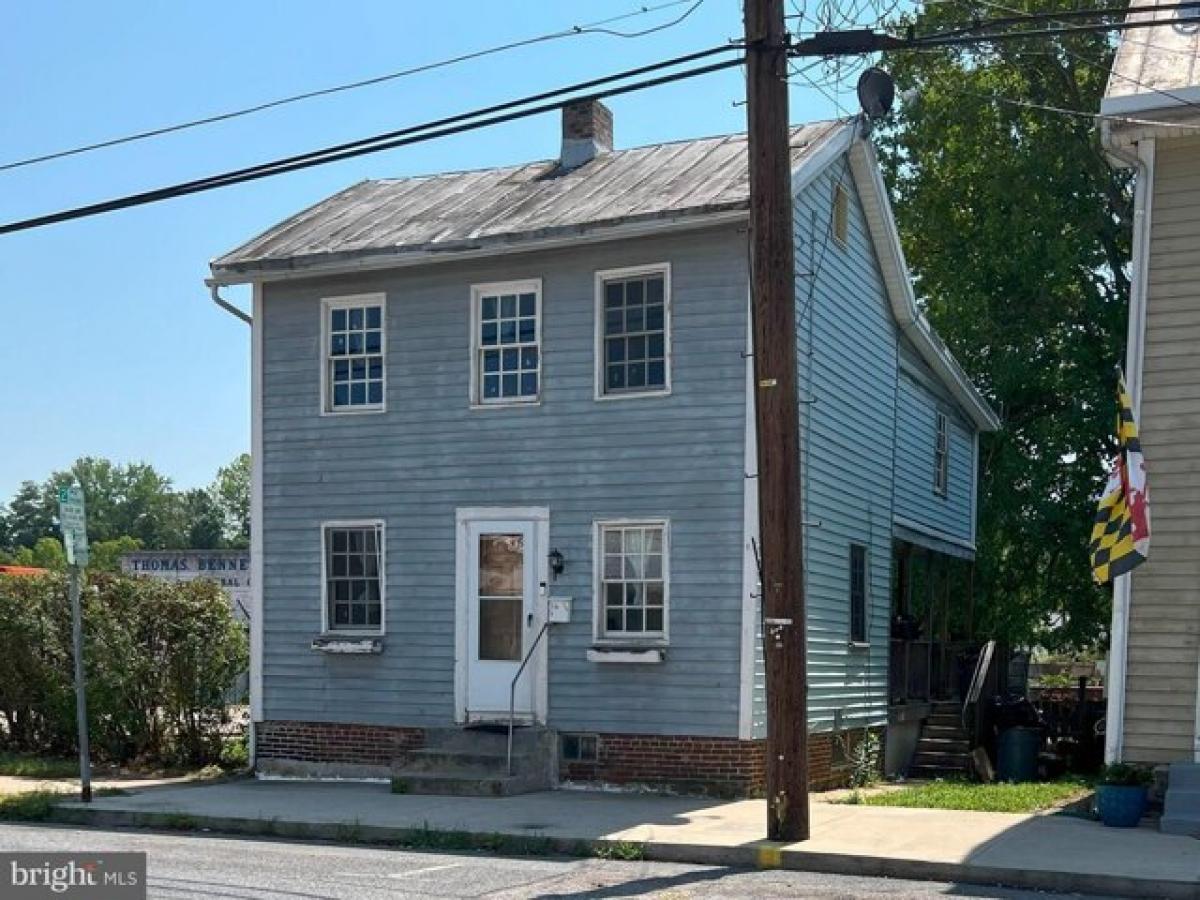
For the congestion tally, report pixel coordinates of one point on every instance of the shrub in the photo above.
(1125, 775)
(864, 760)
(160, 658)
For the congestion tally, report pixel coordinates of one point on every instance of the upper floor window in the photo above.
(632, 579)
(506, 342)
(633, 331)
(858, 594)
(353, 582)
(841, 213)
(941, 456)
(353, 355)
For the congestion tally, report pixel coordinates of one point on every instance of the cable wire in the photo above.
(457, 124)
(574, 31)
(1113, 71)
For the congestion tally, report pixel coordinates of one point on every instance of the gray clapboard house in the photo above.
(487, 402)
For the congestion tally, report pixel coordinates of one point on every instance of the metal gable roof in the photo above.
(466, 210)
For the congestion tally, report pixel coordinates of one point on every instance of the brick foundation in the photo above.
(724, 767)
(711, 765)
(332, 743)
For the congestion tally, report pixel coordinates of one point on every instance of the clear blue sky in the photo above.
(111, 346)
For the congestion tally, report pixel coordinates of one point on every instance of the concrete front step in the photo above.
(473, 762)
(1184, 775)
(434, 759)
(1181, 810)
(466, 784)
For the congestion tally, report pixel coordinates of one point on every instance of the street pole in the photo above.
(85, 766)
(773, 310)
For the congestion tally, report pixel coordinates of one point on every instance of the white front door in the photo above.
(502, 589)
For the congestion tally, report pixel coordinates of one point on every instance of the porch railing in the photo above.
(512, 692)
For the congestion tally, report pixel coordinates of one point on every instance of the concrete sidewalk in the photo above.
(1032, 851)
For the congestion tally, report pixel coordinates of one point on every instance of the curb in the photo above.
(762, 855)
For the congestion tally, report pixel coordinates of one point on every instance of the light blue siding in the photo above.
(678, 457)
(919, 398)
(846, 353)
(867, 444)
(847, 358)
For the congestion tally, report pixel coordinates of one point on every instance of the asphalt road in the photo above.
(208, 867)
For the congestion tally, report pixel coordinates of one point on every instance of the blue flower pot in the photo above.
(1121, 806)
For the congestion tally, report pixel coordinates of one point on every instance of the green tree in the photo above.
(106, 555)
(231, 490)
(1017, 232)
(29, 516)
(202, 520)
(48, 553)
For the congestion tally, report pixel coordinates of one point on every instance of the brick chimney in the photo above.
(587, 131)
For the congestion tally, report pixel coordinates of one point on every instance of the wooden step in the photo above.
(945, 760)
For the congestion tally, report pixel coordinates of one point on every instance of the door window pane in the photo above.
(501, 596)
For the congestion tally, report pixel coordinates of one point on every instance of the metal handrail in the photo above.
(512, 691)
(982, 665)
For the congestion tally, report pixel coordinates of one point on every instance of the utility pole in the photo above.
(773, 310)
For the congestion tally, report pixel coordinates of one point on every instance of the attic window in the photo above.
(841, 213)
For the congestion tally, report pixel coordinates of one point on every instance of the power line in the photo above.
(456, 124)
(1078, 113)
(1087, 62)
(574, 31)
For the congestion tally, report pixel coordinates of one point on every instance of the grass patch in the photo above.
(1026, 797)
(27, 766)
(629, 851)
(33, 806)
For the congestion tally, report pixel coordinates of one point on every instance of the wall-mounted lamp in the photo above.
(557, 562)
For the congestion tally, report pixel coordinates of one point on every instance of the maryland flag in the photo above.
(1121, 535)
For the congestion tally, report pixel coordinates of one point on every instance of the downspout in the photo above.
(215, 292)
(1142, 162)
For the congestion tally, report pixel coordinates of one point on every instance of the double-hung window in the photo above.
(353, 579)
(858, 594)
(353, 353)
(632, 580)
(506, 335)
(941, 455)
(633, 332)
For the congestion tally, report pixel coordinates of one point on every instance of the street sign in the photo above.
(72, 519)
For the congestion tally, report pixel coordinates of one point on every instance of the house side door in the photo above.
(501, 603)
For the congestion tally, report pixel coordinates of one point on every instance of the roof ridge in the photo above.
(449, 173)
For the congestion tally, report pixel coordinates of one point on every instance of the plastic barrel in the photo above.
(1017, 754)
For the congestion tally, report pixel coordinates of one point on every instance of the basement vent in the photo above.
(579, 747)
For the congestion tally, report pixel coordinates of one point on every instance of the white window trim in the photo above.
(599, 638)
(343, 302)
(381, 525)
(603, 275)
(478, 291)
(941, 490)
